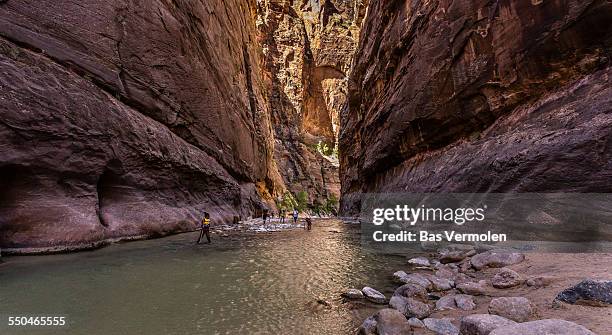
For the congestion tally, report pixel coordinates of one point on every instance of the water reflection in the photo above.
(285, 282)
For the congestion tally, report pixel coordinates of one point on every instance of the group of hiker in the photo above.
(205, 223)
(281, 214)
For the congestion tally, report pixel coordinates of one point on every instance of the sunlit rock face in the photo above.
(479, 96)
(124, 118)
(308, 47)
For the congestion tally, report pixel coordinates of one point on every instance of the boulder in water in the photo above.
(353, 294)
(373, 295)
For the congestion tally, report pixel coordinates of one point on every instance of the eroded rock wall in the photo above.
(479, 96)
(308, 48)
(129, 118)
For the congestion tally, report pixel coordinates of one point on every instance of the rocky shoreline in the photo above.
(471, 291)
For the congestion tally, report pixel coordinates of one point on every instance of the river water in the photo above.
(266, 283)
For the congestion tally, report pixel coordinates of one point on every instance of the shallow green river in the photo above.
(265, 284)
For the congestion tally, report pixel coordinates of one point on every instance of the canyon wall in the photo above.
(126, 119)
(479, 96)
(308, 47)
(129, 118)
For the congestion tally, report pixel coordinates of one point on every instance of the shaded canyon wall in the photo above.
(479, 96)
(128, 118)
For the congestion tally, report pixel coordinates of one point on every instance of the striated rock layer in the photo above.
(308, 48)
(129, 118)
(479, 96)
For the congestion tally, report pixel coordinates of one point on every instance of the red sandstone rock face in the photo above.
(126, 118)
(308, 47)
(479, 96)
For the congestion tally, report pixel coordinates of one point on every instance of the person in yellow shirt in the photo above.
(205, 227)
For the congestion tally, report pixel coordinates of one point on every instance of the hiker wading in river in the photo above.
(295, 216)
(205, 227)
(308, 224)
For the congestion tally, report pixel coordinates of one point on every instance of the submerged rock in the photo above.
(543, 327)
(483, 324)
(518, 309)
(399, 275)
(506, 278)
(373, 295)
(588, 292)
(441, 326)
(496, 259)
